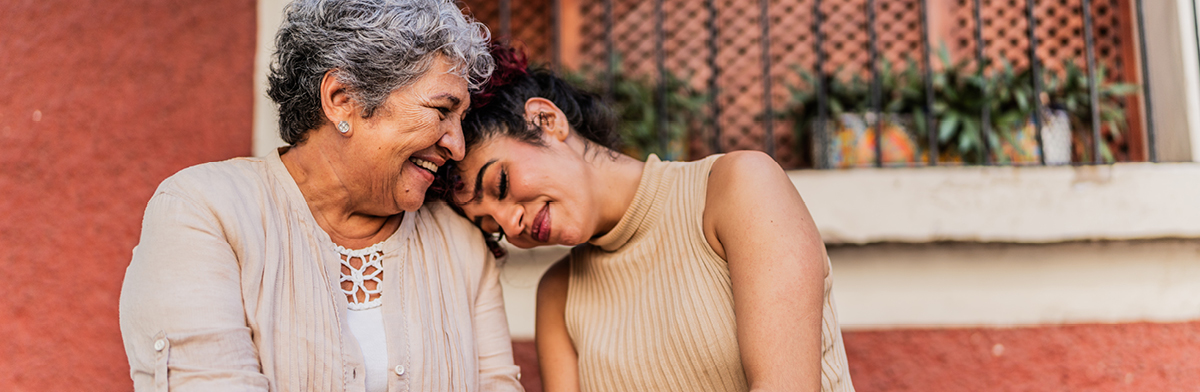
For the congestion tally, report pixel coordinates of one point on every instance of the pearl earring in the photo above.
(343, 127)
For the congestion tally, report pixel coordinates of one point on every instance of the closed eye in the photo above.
(503, 191)
(443, 112)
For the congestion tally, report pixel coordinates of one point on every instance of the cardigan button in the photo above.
(399, 370)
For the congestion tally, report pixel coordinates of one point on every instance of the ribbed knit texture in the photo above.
(650, 304)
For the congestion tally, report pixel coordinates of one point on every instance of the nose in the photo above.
(452, 141)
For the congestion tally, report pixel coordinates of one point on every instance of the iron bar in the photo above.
(1093, 91)
(1141, 25)
(1035, 73)
(768, 114)
(556, 38)
(713, 88)
(506, 20)
(610, 53)
(819, 131)
(660, 96)
(985, 112)
(931, 129)
(876, 88)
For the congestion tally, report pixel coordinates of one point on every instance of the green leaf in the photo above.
(947, 128)
(1004, 120)
(919, 123)
(1022, 102)
(1121, 89)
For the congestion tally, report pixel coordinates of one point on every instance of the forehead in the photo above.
(503, 150)
(496, 147)
(442, 76)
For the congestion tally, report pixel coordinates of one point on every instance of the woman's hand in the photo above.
(557, 359)
(756, 220)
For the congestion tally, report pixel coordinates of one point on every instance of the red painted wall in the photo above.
(100, 100)
(1110, 357)
(1120, 357)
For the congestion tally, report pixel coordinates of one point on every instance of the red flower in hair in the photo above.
(511, 64)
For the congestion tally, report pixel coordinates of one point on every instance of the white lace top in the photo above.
(362, 268)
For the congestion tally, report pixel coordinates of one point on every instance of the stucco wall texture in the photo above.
(1089, 357)
(99, 102)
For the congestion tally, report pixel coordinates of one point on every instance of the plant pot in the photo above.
(847, 141)
(1056, 141)
(1056, 137)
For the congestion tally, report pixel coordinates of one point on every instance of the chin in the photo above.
(411, 200)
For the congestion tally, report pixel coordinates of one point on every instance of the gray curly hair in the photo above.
(376, 46)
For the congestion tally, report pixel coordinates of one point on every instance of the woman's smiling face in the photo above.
(536, 195)
(395, 153)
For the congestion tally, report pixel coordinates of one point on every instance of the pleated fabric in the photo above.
(650, 304)
(234, 287)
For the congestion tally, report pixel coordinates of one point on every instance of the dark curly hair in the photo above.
(499, 107)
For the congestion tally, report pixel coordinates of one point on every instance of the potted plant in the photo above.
(847, 137)
(635, 106)
(961, 92)
(1070, 95)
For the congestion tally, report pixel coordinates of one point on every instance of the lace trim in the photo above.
(370, 269)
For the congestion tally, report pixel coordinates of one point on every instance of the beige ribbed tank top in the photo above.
(650, 304)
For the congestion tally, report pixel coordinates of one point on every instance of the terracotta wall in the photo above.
(1095, 357)
(101, 101)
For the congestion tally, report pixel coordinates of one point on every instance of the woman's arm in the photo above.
(556, 353)
(756, 220)
(497, 372)
(182, 319)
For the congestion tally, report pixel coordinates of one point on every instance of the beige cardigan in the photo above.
(234, 287)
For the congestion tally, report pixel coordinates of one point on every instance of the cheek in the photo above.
(417, 130)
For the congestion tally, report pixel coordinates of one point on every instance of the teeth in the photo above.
(425, 164)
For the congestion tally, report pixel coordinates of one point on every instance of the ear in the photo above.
(546, 114)
(335, 99)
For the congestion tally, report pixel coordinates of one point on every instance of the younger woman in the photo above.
(689, 276)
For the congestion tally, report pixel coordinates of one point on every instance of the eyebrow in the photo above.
(479, 180)
(479, 190)
(454, 99)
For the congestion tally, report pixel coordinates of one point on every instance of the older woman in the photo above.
(318, 268)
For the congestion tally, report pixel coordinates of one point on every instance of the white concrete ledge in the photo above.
(939, 285)
(1004, 204)
(962, 284)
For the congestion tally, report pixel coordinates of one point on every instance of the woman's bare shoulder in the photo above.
(745, 176)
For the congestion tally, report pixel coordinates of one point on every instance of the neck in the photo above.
(314, 165)
(620, 177)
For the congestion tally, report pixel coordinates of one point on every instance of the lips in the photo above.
(424, 164)
(541, 225)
